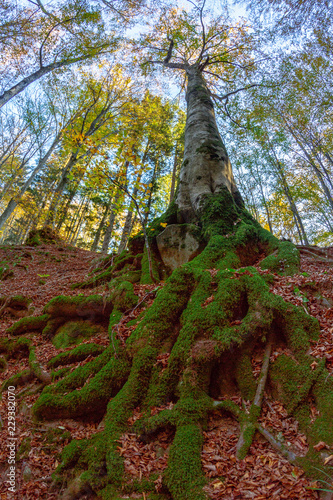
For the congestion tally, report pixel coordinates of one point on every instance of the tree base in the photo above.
(207, 322)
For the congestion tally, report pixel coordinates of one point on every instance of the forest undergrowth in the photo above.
(46, 271)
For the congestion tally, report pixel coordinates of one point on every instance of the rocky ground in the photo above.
(43, 272)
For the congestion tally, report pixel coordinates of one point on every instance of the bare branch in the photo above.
(226, 96)
(169, 54)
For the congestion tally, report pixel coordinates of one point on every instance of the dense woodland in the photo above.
(87, 124)
(166, 297)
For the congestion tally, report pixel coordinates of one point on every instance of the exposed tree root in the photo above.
(17, 306)
(316, 255)
(248, 424)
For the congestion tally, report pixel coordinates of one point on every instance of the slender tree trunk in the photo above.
(94, 246)
(174, 174)
(5, 189)
(292, 204)
(76, 215)
(206, 167)
(312, 164)
(79, 224)
(112, 218)
(113, 213)
(28, 228)
(297, 218)
(126, 231)
(14, 201)
(76, 221)
(70, 162)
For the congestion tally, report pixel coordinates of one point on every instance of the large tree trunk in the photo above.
(206, 168)
(188, 354)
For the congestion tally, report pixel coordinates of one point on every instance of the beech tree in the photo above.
(212, 314)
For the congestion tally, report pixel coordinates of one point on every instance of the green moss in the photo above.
(56, 436)
(52, 326)
(145, 275)
(14, 347)
(79, 376)
(18, 379)
(28, 324)
(285, 261)
(44, 235)
(59, 374)
(16, 301)
(83, 307)
(244, 376)
(74, 332)
(103, 277)
(184, 475)
(122, 295)
(91, 399)
(77, 354)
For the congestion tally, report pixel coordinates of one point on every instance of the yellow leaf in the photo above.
(163, 224)
(217, 485)
(328, 459)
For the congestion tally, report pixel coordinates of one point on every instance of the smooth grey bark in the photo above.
(70, 197)
(14, 201)
(264, 202)
(99, 229)
(152, 181)
(280, 172)
(113, 212)
(206, 168)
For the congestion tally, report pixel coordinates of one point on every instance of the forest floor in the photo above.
(263, 474)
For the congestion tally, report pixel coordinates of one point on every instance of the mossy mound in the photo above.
(122, 295)
(74, 332)
(46, 235)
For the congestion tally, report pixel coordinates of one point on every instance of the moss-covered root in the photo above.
(92, 307)
(206, 322)
(184, 475)
(126, 265)
(37, 369)
(29, 324)
(75, 355)
(25, 346)
(90, 400)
